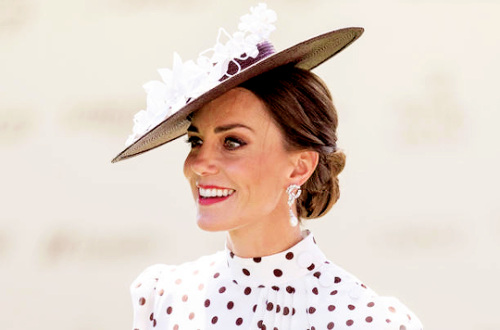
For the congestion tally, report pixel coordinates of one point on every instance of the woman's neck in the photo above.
(263, 238)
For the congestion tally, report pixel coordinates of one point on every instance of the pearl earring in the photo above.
(293, 192)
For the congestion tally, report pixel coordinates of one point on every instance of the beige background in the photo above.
(419, 112)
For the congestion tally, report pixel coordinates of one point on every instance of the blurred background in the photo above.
(418, 102)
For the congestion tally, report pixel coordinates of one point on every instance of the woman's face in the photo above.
(238, 166)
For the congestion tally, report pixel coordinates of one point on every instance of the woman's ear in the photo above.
(305, 163)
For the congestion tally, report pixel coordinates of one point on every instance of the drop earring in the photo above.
(293, 192)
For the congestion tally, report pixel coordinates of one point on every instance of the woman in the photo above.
(263, 155)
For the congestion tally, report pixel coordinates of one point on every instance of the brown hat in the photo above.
(232, 71)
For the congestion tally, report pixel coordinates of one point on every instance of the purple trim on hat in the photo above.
(265, 48)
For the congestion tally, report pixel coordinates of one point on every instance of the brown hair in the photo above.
(301, 105)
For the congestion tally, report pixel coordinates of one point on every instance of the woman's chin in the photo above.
(210, 224)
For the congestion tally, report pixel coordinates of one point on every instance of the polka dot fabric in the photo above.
(298, 289)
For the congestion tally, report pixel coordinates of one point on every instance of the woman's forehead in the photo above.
(236, 105)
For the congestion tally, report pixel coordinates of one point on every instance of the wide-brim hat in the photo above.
(305, 55)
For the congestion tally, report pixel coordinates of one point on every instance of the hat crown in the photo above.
(265, 48)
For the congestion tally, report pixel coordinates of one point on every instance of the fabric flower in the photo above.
(259, 22)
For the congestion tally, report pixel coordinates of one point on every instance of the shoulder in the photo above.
(354, 304)
(156, 280)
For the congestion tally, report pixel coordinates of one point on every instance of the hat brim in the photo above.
(305, 55)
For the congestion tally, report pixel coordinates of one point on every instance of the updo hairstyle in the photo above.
(301, 106)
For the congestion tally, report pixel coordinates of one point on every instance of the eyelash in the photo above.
(196, 141)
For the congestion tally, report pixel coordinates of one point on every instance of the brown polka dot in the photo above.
(142, 301)
(293, 311)
(151, 317)
(315, 291)
(388, 320)
(275, 288)
(257, 259)
(235, 282)
(349, 322)
(364, 286)
(351, 307)
(230, 305)
(369, 319)
(278, 308)
(184, 298)
(216, 275)
(311, 267)
(254, 308)
(337, 279)
(239, 321)
(222, 289)
(178, 281)
(333, 293)
(289, 255)
(290, 289)
(161, 292)
(286, 311)
(312, 310)
(201, 286)
(371, 304)
(392, 309)
(169, 310)
(317, 274)
(154, 323)
(330, 325)
(261, 286)
(191, 315)
(207, 302)
(214, 319)
(246, 271)
(277, 272)
(259, 324)
(248, 290)
(331, 308)
(231, 254)
(270, 306)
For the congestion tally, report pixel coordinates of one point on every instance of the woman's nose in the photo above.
(203, 162)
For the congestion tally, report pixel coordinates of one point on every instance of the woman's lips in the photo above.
(209, 194)
(211, 200)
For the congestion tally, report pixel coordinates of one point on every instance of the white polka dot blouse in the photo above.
(298, 289)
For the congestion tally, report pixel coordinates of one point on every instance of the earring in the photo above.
(293, 192)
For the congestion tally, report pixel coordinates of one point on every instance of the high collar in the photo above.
(299, 260)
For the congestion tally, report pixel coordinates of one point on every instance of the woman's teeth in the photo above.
(215, 192)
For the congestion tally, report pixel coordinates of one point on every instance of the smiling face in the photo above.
(238, 167)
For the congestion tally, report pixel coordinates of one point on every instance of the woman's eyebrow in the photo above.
(192, 128)
(220, 129)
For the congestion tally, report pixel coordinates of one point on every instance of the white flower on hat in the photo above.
(259, 22)
(188, 80)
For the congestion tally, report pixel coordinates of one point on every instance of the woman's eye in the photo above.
(194, 141)
(233, 143)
